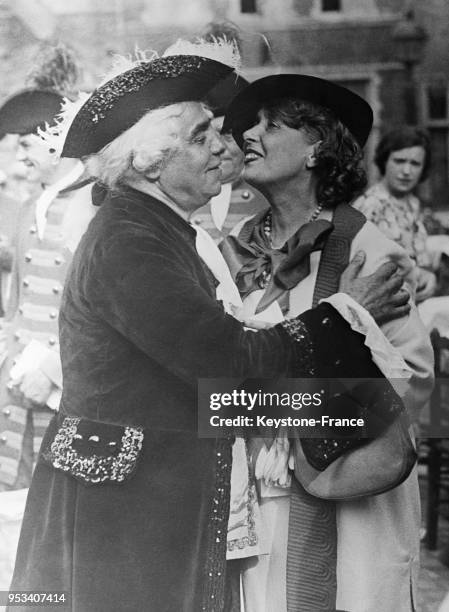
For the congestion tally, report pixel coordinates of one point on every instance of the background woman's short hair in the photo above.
(403, 138)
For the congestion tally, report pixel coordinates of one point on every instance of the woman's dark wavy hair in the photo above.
(403, 138)
(341, 176)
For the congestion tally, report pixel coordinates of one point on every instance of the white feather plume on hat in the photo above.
(54, 135)
(220, 49)
(123, 63)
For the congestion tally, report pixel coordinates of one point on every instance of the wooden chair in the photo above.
(437, 441)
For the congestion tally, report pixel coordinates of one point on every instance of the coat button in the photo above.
(6, 412)
(326, 322)
(52, 341)
(33, 229)
(245, 195)
(3, 439)
(58, 261)
(17, 336)
(28, 258)
(56, 290)
(26, 283)
(337, 362)
(53, 314)
(20, 309)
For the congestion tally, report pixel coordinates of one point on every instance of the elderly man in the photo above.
(128, 508)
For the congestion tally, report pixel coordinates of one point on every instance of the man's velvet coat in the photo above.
(139, 325)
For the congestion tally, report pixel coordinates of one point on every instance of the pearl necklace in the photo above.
(267, 225)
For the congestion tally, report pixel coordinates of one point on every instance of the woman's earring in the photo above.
(311, 161)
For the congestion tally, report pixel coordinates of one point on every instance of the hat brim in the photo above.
(352, 110)
(119, 104)
(224, 92)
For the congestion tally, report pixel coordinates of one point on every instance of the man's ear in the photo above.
(153, 172)
(147, 164)
(311, 160)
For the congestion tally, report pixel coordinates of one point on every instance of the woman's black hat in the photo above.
(352, 110)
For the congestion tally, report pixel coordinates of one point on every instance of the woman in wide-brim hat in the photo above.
(302, 138)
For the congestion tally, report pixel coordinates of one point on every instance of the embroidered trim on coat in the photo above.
(251, 539)
(215, 567)
(94, 468)
(304, 365)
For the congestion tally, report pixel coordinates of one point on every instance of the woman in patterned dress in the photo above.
(403, 158)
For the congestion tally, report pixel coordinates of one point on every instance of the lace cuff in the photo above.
(387, 357)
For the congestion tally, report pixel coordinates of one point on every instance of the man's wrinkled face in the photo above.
(33, 153)
(232, 157)
(404, 169)
(192, 174)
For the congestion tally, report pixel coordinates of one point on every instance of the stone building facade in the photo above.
(349, 41)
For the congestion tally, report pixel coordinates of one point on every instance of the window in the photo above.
(330, 9)
(438, 176)
(330, 5)
(248, 6)
(435, 100)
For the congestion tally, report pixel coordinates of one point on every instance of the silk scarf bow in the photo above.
(252, 259)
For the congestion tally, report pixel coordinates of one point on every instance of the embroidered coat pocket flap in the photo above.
(94, 452)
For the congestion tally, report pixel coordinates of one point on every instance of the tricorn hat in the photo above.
(28, 110)
(352, 110)
(123, 100)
